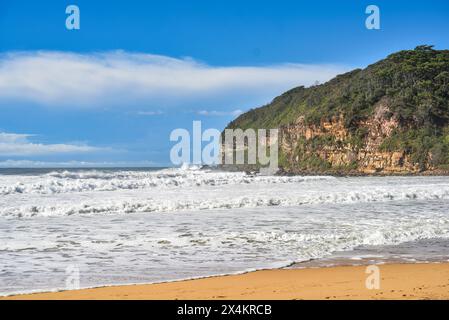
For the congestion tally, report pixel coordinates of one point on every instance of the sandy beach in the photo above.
(397, 281)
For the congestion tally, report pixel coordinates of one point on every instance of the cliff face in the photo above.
(392, 117)
(342, 150)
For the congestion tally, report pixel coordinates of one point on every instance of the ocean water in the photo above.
(122, 226)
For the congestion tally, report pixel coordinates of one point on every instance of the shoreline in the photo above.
(249, 170)
(336, 172)
(397, 281)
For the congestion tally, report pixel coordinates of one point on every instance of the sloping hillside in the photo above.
(391, 117)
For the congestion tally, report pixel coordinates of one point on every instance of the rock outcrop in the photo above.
(342, 152)
(390, 118)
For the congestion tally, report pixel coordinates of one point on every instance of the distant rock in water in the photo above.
(391, 117)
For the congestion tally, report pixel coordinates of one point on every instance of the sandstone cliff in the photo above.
(390, 118)
(342, 151)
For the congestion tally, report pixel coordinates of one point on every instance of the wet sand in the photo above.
(397, 281)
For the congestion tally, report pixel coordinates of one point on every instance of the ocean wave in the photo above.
(97, 180)
(173, 205)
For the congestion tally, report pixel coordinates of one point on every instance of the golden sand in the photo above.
(397, 281)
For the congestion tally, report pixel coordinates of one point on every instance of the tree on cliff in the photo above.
(414, 84)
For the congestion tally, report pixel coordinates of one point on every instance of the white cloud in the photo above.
(13, 144)
(74, 164)
(149, 113)
(219, 113)
(13, 137)
(61, 79)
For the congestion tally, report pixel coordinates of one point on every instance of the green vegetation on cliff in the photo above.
(413, 83)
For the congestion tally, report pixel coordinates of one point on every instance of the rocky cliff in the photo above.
(337, 149)
(392, 117)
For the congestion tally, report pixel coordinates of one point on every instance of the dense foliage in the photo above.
(414, 82)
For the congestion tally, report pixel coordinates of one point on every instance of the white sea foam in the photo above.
(97, 180)
(137, 226)
(154, 248)
(224, 197)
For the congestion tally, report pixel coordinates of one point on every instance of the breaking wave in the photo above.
(170, 204)
(97, 180)
(232, 222)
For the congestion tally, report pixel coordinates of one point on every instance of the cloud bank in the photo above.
(122, 79)
(219, 113)
(74, 164)
(13, 144)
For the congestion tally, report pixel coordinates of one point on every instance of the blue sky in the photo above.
(111, 92)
